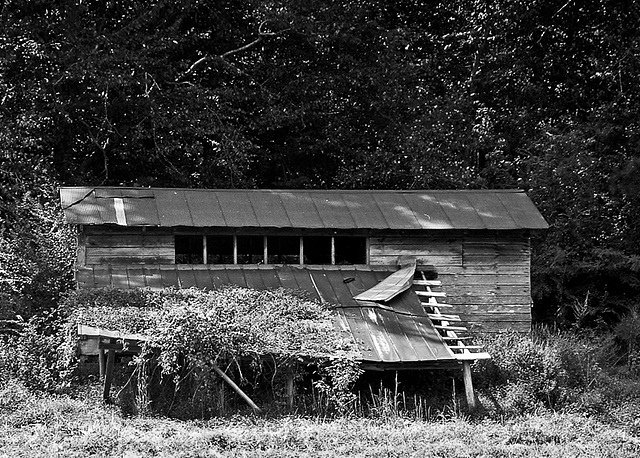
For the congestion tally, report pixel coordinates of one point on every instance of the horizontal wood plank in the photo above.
(130, 241)
(472, 356)
(431, 293)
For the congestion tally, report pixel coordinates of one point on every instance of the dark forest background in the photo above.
(541, 95)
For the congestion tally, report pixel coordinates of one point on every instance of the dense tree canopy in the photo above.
(540, 94)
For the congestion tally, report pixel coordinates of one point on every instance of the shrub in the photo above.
(247, 331)
(41, 355)
(36, 257)
(528, 372)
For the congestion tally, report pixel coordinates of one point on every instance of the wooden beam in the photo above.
(427, 282)
(108, 376)
(442, 316)
(101, 363)
(450, 328)
(468, 386)
(472, 356)
(291, 390)
(431, 293)
(236, 388)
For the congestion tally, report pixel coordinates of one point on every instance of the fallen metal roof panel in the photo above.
(302, 209)
(390, 287)
(398, 332)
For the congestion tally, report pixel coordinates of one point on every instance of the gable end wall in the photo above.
(485, 274)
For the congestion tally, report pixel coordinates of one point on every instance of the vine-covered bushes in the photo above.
(256, 335)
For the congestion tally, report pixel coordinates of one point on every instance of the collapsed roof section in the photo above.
(394, 334)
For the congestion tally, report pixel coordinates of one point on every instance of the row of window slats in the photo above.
(280, 250)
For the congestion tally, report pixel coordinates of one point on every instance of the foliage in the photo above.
(190, 330)
(71, 426)
(41, 354)
(538, 95)
(551, 370)
(37, 251)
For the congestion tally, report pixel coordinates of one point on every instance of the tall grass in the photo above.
(78, 426)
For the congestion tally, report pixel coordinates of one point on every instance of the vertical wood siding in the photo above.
(486, 274)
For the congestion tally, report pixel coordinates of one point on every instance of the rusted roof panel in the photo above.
(364, 212)
(492, 212)
(205, 210)
(173, 210)
(428, 211)
(268, 209)
(397, 332)
(302, 209)
(332, 210)
(459, 211)
(140, 212)
(519, 206)
(396, 211)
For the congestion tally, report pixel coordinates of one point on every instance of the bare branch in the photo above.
(261, 35)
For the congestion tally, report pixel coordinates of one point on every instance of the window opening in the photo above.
(242, 249)
(350, 250)
(250, 249)
(283, 250)
(220, 249)
(317, 249)
(189, 249)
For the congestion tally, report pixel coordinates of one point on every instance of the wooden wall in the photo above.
(486, 275)
(105, 246)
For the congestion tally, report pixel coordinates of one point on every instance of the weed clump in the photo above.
(544, 370)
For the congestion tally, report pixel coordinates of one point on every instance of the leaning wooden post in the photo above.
(236, 388)
(108, 375)
(468, 385)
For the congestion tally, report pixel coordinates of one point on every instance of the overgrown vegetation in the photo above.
(65, 426)
(260, 337)
(256, 337)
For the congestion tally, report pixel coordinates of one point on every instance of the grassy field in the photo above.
(80, 426)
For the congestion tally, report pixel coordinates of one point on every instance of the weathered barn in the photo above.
(344, 247)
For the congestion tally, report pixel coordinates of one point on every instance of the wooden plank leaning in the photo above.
(236, 388)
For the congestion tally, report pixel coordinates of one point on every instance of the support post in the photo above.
(101, 362)
(108, 376)
(291, 390)
(468, 385)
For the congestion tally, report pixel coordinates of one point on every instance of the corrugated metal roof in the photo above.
(302, 209)
(397, 333)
